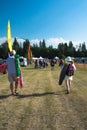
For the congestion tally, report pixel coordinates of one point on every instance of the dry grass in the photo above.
(42, 104)
(81, 66)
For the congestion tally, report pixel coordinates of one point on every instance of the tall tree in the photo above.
(71, 49)
(16, 45)
(40, 44)
(83, 47)
(4, 50)
(43, 44)
(80, 47)
(25, 48)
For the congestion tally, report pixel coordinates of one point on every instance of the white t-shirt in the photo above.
(10, 62)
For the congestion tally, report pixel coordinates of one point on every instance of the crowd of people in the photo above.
(40, 64)
(14, 70)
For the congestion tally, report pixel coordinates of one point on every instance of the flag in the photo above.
(21, 81)
(29, 53)
(9, 39)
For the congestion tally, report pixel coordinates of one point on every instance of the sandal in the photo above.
(16, 93)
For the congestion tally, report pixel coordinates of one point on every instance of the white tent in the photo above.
(34, 58)
(56, 58)
(40, 58)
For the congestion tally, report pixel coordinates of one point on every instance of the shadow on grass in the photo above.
(39, 94)
(40, 69)
(32, 95)
(4, 96)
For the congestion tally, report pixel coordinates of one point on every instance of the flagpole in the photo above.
(29, 54)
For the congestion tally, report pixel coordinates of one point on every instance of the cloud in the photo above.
(35, 41)
(55, 41)
(20, 40)
(3, 39)
(50, 41)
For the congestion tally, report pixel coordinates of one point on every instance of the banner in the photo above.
(29, 53)
(9, 39)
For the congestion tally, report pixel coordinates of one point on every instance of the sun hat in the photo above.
(68, 59)
(14, 52)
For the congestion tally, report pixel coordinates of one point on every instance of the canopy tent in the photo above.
(40, 58)
(56, 58)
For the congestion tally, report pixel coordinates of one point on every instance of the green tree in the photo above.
(40, 44)
(80, 47)
(16, 45)
(83, 47)
(4, 50)
(25, 48)
(43, 44)
(71, 49)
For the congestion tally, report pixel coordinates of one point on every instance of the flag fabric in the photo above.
(29, 53)
(21, 81)
(9, 39)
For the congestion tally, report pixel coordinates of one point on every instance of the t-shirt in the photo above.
(10, 62)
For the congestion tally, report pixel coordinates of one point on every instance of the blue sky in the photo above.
(52, 20)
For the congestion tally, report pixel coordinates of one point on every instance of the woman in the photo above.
(69, 73)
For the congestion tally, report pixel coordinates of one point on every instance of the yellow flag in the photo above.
(31, 54)
(9, 37)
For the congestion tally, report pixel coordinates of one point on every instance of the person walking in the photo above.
(11, 70)
(52, 64)
(61, 63)
(69, 73)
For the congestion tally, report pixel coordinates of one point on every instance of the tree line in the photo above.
(63, 49)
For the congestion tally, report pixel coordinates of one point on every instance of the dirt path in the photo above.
(43, 105)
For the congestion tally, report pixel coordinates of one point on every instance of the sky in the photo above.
(53, 20)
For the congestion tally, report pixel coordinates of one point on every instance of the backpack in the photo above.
(70, 70)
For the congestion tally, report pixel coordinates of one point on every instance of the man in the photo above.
(11, 69)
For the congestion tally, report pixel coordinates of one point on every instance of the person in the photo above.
(61, 63)
(11, 70)
(36, 64)
(52, 64)
(69, 73)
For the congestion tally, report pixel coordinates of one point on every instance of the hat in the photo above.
(14, 52)
(68, 59)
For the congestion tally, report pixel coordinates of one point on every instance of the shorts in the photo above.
(12, 77)
(68, 77)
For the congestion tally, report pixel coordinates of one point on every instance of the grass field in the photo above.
(42, 104)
